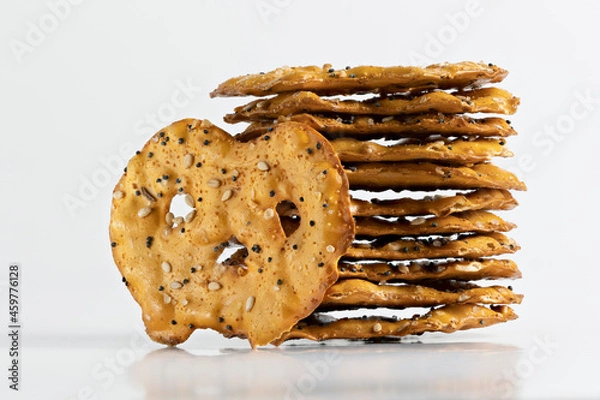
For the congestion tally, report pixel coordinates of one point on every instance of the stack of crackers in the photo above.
(416, 145)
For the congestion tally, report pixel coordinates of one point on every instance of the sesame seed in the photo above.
(330, 248)
(166, 267)
(150, 154)
(173, 322)
(137, 192)
(269, 213)
(182, 230)
(276, 288)
(184, 302)
(418, 221)
(267, 137)
(272, 193)
(213, 183)
(320, 265)
(205, 131)
(176, 285)
(387, 119)
(256, 248)
(166, 298)
(185, 281)
(221, 319)
(377, 328)
(113, 244)
(191, 326)
(250, 303)
(319, 145)
(279, 281)
(223, 171)
(161, 288)
(206, 142)
(214, 286)
(180, 141)
(260, 270)
(269, 259)
(148, 195)
(312, 223)
(301, 199)
(144, 212)
(178, 220)
(190, 216)
(118, 195)
(198, 164)
(189, 200)
(309, 150)
(188, 160)
(227, 195)
(295, 247)
(228, 327)
(352, 75)
(161, 134)
(169, 218)
(263, 166)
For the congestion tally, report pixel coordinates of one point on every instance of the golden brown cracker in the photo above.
(371, 127)
(359, 293)
(430, 176)
(467, 221)
(480, 199)
(171, 266)
(445, 319)
(488, 100)
(328, 81)
(458, 151)
(467, 246)
(463, 270)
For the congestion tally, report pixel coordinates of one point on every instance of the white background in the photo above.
(102, 78)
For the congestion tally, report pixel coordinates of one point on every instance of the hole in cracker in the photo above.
(289, 216)
(233, 253)
(180, 208)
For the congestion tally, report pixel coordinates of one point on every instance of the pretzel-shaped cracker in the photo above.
(170, 264)
(480, 199)
(463, 270)
(328, 81)
(458, 151)
(488, 100)
(369, 127)
(446, 319)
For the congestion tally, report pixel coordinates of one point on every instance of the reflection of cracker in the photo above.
(457, 151)
(463, 270)
(481, 199)
(173, 272)
(327, 81)
(446, 319)
(358, 293)
(489, 100)
(474, 246)
(468, 221)
(429, 176)
(364, 127)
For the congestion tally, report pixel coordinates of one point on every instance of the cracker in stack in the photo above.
(427, 136)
